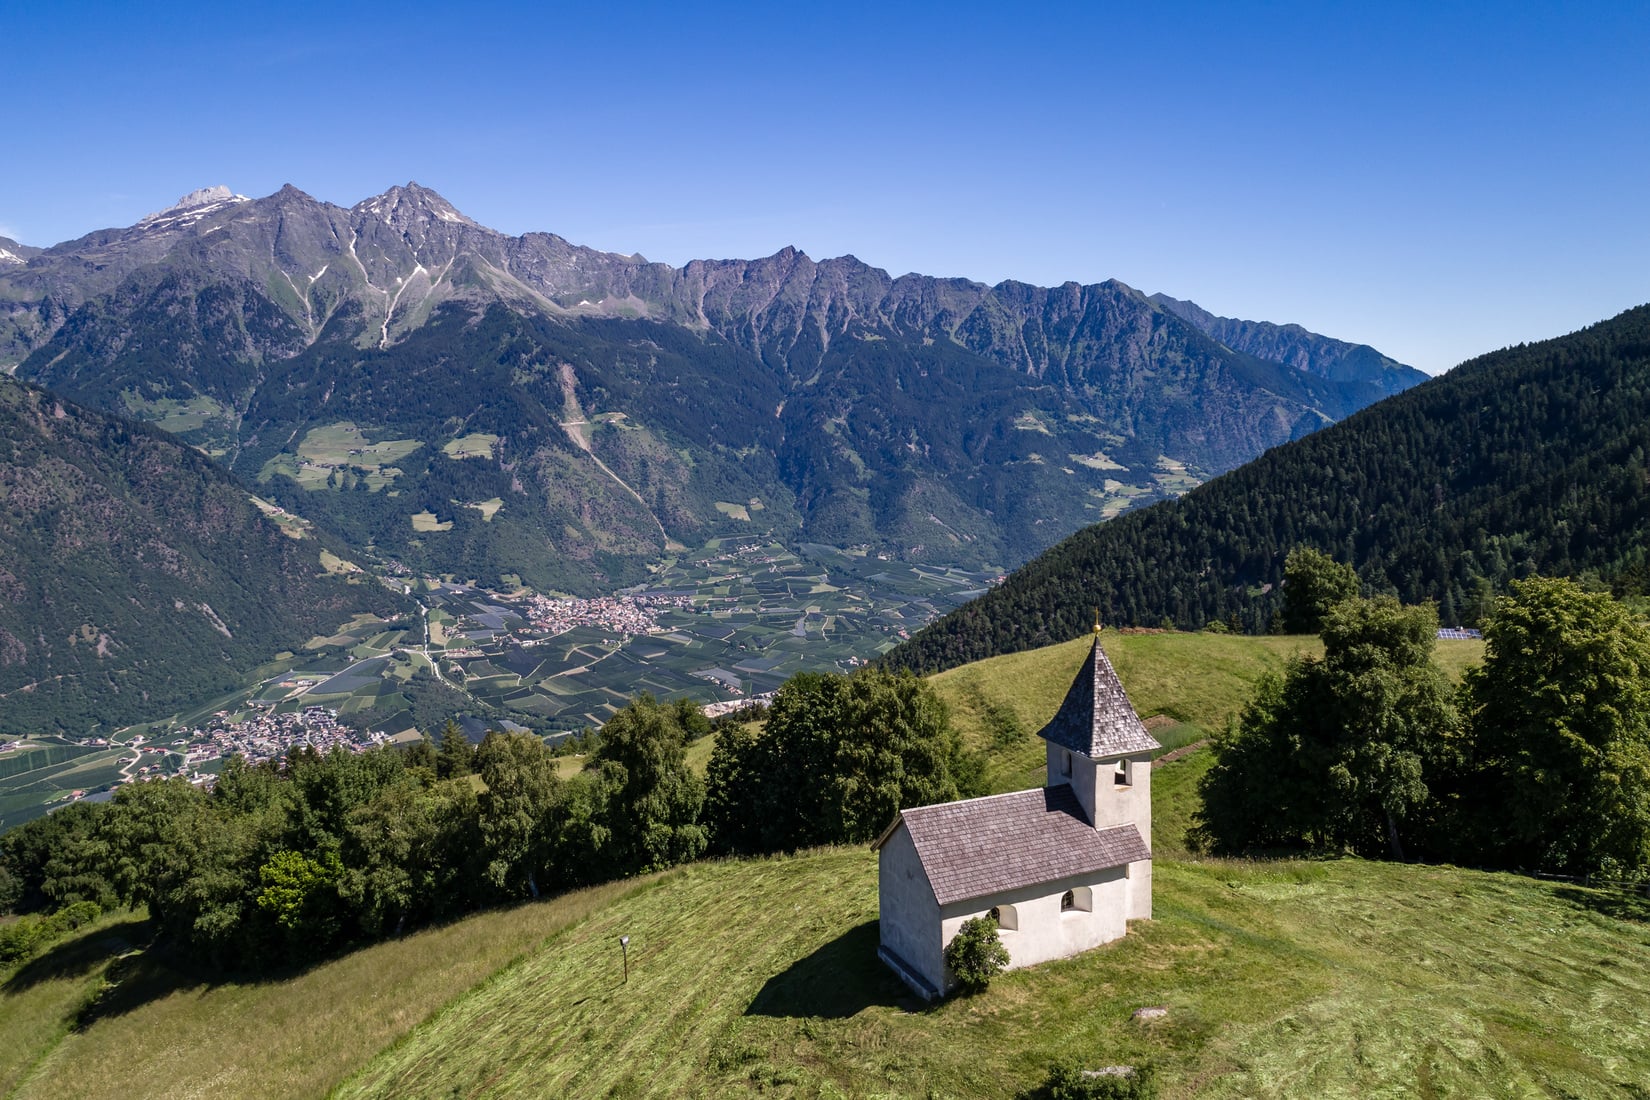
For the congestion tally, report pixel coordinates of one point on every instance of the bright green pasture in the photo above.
(1280, 979)
(474, 445)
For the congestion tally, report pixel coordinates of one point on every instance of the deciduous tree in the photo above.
(1313, 582)
(1342, 751)
(1561, 719)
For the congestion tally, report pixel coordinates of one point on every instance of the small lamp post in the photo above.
(624, 949)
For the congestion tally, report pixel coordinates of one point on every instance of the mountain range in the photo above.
(474, 403)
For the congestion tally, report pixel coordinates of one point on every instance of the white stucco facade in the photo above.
(1095, 782)
(1042, 930)
(909, 917)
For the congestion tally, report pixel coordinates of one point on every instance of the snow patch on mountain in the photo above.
(192, 208)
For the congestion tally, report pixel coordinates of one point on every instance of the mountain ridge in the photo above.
(1295, 346)
(848, 403)
(728, 295)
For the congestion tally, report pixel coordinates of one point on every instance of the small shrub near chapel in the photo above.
(1068, 1082)
(976, 954)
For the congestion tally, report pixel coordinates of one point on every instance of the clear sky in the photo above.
(1435, 179)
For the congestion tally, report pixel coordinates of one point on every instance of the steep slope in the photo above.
(936, 419)
(1295, 347)
(1531, 459)
(134, 575)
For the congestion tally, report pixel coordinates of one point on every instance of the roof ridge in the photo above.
(977, 798)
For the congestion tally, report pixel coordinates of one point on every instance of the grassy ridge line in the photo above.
(1198, 680)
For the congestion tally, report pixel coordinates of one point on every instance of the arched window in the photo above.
(1068, 901)
(1079, 899)
(1120, 774)
(1065, 762)
(1005, 917)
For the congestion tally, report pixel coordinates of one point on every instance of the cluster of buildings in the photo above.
(626, 615)
(716, 710)
(272, 736)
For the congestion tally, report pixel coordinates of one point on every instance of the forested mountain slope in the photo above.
(478, 403)
(134, 575)
(1531, 459)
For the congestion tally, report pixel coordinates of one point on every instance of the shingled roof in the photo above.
(1097, 719)
(987, 845)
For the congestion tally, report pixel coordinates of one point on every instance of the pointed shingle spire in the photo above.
(1097, 718)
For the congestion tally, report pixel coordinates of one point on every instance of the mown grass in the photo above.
(160, 1032)
(1287, 979)
(41, 999)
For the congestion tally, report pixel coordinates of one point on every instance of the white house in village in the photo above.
(1061, 869)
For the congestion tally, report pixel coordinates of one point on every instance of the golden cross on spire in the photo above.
(1097, 620)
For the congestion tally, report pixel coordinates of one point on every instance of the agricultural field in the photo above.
(729, 621)
(39, 773)
(732, 620)
(336, 455)
(474, 445)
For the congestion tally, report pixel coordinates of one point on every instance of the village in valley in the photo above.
(724, 625)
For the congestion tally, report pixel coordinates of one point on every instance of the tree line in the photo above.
(285, 862)
(1540, 760)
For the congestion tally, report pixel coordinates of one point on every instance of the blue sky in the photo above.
(1437, 179)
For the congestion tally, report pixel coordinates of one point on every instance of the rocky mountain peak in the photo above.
(289, 193)
(13, 254)
(193, 207)
(400, 206)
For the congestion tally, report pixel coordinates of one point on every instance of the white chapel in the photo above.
(1061, 869)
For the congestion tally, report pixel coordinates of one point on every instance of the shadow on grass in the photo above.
(838, 980)
(1621, 906)
(77, 955)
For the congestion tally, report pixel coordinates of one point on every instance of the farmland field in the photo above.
(336, 451)
(474, 445)
(732, 620)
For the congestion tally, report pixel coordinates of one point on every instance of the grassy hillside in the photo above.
(1345, 978)
(1295, 978)
(1186, 687)
(159, 1032)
